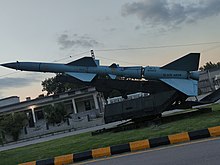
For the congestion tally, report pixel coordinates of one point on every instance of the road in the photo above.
(197, 153)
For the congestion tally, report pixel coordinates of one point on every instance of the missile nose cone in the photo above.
(12, 65)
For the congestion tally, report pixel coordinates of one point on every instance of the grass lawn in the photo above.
(85, 141)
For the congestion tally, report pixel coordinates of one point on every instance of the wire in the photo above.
(71, 56)
(211, 48)
(157, 47)
(4, 75)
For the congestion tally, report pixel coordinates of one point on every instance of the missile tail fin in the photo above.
(86, 77)
(186, 86)
(85, 61)
(189, 62)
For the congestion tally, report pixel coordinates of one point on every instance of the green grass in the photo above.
(85, 141)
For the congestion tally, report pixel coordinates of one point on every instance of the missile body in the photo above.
(181, 74)
(131, 72)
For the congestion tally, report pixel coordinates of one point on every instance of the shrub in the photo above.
(12, 124)
(55, 114)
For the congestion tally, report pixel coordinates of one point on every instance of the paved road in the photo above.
(202, 152)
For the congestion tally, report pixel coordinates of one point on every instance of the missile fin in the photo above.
(189, 62)
(189, 87)
(87, 77)
(114, 65)
(85, 61)
(112, 76)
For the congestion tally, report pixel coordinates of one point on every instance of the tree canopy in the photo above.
(55, 85)
(209, 65)
(62, 83)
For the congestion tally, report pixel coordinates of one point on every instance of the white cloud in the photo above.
(9, 82)
(169, 13)
(67, 41)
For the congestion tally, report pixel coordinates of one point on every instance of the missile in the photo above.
(181, 74)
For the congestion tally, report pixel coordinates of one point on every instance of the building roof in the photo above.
(10, 97)
(24, 105)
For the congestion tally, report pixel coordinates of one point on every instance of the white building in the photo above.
(84, 106)
(209, 80)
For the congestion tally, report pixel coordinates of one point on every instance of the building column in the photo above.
(210, 81)
(96, 101)
(74, 106)
(33, 114)
(102, 104)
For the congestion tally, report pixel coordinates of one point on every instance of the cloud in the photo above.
(171, 13)
(67, 41)
(15, 82)
(110, 29)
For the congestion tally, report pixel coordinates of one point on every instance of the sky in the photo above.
(128, 32)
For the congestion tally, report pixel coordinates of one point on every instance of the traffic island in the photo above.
(129, 147)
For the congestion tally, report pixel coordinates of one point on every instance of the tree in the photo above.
(55, 114)
(114, 93)
(12, 124)
(209, 65)
(57, 85)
